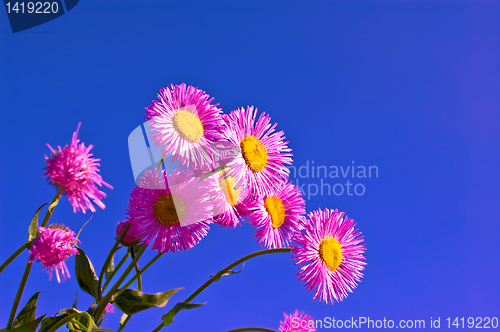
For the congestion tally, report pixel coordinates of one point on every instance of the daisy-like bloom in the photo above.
(277, 217)
(297, 322)
(172, 212)
(262, 154)
(333, 256)
(228, 201)
(73, 169)
(52, 247)
(131, 238)
(186, 124)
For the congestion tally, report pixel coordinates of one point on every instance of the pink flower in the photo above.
(52, 247)
(228, 201)
(131, 238)
(73, 169)
(185, 124)
(330, 248)
(170, 212)
(297, 322)
(261, 154)
(109, 308)
(277, 217)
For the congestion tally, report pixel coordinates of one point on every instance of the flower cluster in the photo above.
(231, 169)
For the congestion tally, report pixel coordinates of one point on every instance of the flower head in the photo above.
(73, 169)
(297, 322)
(52, 247)
(262, 154)
(109, 308)
(172, 212)
(131, 238)
(277, 217)
(333, 256)
(186, 124)
(228, 200)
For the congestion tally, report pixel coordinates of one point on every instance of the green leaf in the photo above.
(76, 300)
(28, 313)
(48, 322)
(85, 321)
(33, 232)
(30, 326)
(111, 267)
(168, 318)
(132, 301)
(85, 274)
(230, 272)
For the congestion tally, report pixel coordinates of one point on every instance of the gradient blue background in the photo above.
(413, 88)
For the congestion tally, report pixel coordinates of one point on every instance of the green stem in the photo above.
(13, 256)
(19, 294)
(252, 329)
(139, 279)
(52, 206)
(63, 321)
(219, 274)
(108, 259)
(124, 323)
(139, 274)
(80, 325)
(102, 304)
(117, 267)
(27, 270)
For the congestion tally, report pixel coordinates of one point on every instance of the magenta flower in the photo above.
(277, 217)
(297, 322)
(131, 238)
(185, 123)
(333, 256)
(109, 309)
(262, 154)
(73, 169)
(228, 201)
(52, 247)
(172, 212)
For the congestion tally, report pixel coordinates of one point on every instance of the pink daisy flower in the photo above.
(185, 123)
(172, 212)
(333, 256)
(52, 247)
(73, 169)
(297, 322)
(228, 201)
(262, 154)
(131, 238)
(277, 217)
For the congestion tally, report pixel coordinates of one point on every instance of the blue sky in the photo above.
(409, 87)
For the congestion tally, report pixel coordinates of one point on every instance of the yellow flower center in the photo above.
(276, 210)
(188, 126)
(330, 253)
(254, 152)
(169, 210)
(227, 186)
